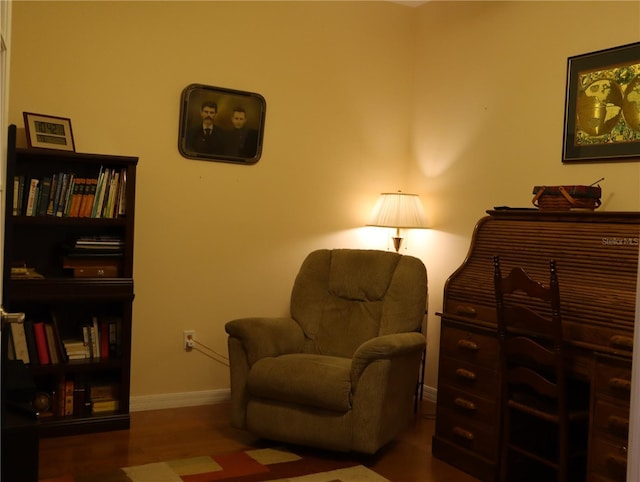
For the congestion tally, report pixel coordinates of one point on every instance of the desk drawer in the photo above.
(613, 378)
(609, 338)
(608, 459)
(482, 440)
(612, 419)
(468, 377)
(468, 406)
(470, 346)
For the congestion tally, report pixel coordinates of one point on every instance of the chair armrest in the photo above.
(386, 347)
(263, 337)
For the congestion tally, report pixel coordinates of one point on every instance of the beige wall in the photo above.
(459, 102)
(216, 241)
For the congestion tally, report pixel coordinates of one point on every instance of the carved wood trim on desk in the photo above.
(597, 258)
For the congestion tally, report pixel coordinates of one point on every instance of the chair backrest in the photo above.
(344, 297)
(530, 335)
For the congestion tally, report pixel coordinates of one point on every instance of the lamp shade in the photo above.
(398, 210)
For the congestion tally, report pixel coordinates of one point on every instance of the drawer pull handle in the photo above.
(617, 460)
(618, 423)
(465, 434)
(466, 404)
(466, 374)
(622, 341)
(466, 310)
(468, 345)
(620, 384)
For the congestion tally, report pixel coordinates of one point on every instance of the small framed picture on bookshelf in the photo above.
(218, 124)
(48, 132)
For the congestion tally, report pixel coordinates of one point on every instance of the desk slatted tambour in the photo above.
(597, 259)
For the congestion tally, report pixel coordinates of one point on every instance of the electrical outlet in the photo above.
(187, 339)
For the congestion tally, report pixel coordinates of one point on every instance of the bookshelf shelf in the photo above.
(67, 221)
(70, 270)
(68, 289)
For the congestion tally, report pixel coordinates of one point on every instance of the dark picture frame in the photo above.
(238, 119)
(48, 132)
(602, 106)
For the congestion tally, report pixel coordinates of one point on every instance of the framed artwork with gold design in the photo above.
(602, 107)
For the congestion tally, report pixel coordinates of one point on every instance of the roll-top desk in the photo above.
(597, 261)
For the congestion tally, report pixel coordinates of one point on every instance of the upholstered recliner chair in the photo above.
(341, 372)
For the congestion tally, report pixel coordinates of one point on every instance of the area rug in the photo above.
(260, 465)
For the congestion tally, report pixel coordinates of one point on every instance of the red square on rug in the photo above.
(233, 465)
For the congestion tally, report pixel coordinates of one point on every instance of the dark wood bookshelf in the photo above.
(65, 299)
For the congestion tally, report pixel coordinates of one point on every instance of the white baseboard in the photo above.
(430, 393)
(174, 400)
(208, 397)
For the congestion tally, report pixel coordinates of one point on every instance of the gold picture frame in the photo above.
(48, 132)
(602, 108)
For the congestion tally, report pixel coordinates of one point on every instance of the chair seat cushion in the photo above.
(306, 379)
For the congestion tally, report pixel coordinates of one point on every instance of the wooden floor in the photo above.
(193, 431)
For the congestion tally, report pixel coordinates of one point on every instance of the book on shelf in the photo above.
(30, 335)
(59, 192)
(104, 339)
(54, 354)
(95, 246)
(91, 339)
(86, 338)
(57, 338)
(104, 396)
(99, 196)
(115, 328)
(122, 191)
(60, 396)
(41, 343)
(73, 206)
(114, 183)
(81, 403)
(99, 338)
(88, 198)
(103, 390)
(64, 194)
(15, 208)
(52, 194)
(102, 406)
(75, 349)
(31, 196)
(63, 184)
(19, 340)
(95, 337)
(68, 396)
(43, 198)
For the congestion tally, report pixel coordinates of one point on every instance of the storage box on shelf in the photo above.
(69, 267)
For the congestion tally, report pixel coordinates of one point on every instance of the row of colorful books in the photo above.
(40, 343)
(66, 195)
(78, 398)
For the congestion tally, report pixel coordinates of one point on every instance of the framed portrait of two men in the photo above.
(219, 124)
